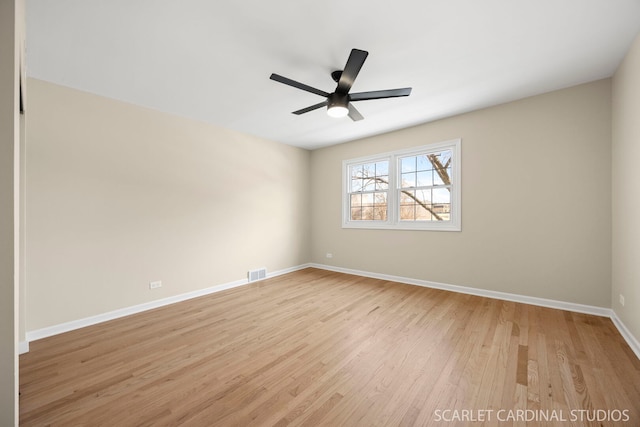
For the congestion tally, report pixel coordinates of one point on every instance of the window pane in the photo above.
(367, 213)
(441, 163)
(380, 206)
(442, 204)
(423, 213)
(416, 205)
(423, 196)
(369, 206)
(356, 200)
(382, 182)
(444, 212)
(408, 164)
(407, 197)
(407, 213)
(380, 213)
(441, 195)
(408, 180)
(368, 174)
(355, 171)
(369, 177)
(425, 178)
(382, 168)
(445, 158)
(441, 159)
(423, 163)
(368, 170)
(369, 184)
(380, 198)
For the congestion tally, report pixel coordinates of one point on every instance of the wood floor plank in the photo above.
(316, 347)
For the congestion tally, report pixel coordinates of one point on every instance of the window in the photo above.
(369, 191)
(417, 189)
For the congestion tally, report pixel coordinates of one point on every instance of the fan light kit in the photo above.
(338, 103)
(337, 111)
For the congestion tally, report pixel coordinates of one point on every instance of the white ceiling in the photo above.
(211, 60)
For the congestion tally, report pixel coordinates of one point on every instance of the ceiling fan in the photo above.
(338, 103)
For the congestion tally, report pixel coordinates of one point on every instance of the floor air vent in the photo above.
(258, 274)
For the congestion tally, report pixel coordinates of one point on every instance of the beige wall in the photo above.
(626, 189)
(11, 19)
(536, 216)
(118, 196)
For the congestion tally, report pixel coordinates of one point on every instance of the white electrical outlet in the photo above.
(155, 285)
(329, 255)
(622, 300)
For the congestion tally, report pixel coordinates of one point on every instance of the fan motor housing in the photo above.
(338, 100)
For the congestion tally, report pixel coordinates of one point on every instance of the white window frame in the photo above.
(392, 222)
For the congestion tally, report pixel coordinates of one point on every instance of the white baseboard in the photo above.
(543, 302)
(626, 334)
(561, 305)
(93, 320)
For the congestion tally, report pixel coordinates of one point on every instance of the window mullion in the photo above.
(393, 197)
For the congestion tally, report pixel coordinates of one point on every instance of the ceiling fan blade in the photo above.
(378, 94)
(354, 114)
(313, 107)
(298, 85)
(351, 70)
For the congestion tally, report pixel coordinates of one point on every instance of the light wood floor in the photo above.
(321, 348)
